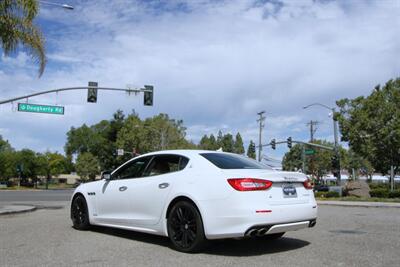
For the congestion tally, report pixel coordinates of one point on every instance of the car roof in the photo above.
(183, 152)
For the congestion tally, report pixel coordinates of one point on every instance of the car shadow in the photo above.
(223, 247)
(253, 246)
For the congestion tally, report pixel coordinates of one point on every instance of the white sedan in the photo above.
(193, 195)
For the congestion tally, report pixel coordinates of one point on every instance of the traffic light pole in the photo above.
(335, 132)
(304, 143)
(129, 91)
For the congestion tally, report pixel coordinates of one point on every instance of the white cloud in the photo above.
(214, 64)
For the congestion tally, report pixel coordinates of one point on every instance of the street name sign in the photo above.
(25, 107)
(309, 151)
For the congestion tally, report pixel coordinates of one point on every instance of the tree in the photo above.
(27, 162)
(371, 125)
(251, 150)
(204, 143)
(8, 163)
(352, 161)
(50, 165)
(238, 146)
(6, 159)
(17, 27)
(4, 145)
(98, 139)
(87, 166)
(227, 143)
(158, 132)
(292, 160)
(213, 142)
(219, 139)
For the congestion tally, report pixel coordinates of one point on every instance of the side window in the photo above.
(183, 162)
(163, 164)
(132, 169)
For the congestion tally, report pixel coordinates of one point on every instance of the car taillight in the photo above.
(307, 184)
(249, 184)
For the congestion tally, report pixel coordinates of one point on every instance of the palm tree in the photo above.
(17, 27)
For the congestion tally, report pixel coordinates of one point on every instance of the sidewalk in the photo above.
(24, 206)
(10, 209)
(359, 204)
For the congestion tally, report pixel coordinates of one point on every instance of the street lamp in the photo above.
(335, 130)
(65, 6)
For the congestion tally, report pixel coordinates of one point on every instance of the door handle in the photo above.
(163, 185)
(123, 188)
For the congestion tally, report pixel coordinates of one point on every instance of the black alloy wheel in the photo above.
(79, 213)
(185, 227)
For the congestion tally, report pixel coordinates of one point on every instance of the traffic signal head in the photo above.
(273, 144)
(92, 92)
(335, 163)
(148, 95)
(289, 142)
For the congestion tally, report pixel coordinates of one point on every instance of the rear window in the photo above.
(231, 161)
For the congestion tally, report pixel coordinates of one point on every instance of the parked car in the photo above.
(321, 188)
(26, 183)
(3, 184)
(194, 195)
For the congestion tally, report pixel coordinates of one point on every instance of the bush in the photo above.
(373, 186)
(332, 194)
(379, 192)
(394, 194)
(328, 194)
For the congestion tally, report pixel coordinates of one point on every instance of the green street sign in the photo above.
(25, 107)
(309, 151)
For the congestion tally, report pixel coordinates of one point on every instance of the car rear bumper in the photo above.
(241, 221)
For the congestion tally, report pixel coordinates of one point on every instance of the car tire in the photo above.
(80, 213)
(185, 228)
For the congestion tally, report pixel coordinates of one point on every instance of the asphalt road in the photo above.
(344, 236)
(35, 195)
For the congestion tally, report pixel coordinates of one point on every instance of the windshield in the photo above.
(232, 161)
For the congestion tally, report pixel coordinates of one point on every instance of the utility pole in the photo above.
(261, 120)
(391, 178)
(312, 129)
(303, 157)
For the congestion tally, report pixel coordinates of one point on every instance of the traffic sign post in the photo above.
(35, 108)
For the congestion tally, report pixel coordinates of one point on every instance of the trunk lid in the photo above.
(273, 176)
(287, 187)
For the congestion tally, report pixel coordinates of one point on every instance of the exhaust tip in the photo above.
(312, 223)
(252, 233)
(261, 232)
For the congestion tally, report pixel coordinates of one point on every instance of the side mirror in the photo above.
(106, 175)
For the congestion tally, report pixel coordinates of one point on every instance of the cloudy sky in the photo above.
(214, 64)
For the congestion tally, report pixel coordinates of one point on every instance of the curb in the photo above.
(359, 204)
(15, 209)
